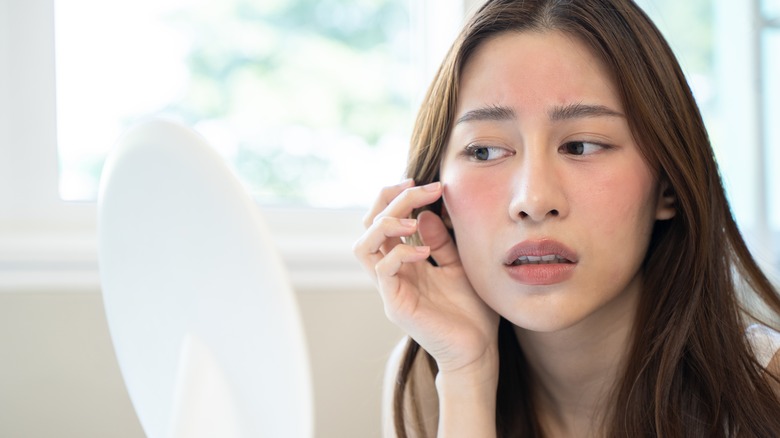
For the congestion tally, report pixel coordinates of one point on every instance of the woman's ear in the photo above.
(666, 207)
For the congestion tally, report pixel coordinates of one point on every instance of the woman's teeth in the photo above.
(539, 260)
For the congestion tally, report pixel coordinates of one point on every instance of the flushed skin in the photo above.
(596, 204)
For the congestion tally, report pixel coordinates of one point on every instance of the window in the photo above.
(770, 71)
(732, 76)
(298, 95)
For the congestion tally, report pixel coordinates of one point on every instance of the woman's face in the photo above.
(550, 199)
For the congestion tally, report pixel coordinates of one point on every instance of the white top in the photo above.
(765, 342)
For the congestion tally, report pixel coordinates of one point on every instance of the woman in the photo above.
(583, 267)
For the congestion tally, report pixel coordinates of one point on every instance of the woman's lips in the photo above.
(540, 262)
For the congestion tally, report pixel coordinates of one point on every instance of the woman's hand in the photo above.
(435, 305)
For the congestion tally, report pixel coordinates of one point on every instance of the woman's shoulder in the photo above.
(766, 344)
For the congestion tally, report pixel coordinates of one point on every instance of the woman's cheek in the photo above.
(468, 197)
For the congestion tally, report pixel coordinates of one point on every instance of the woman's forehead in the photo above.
(526, 70)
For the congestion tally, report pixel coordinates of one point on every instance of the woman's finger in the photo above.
(395, 203)
(391, 263)
(386, 195)
(410, 199)
(388, 269)
(381, 237)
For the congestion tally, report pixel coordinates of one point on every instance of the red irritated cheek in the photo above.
(471, 198)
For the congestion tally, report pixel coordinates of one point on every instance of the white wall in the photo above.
(59, 377)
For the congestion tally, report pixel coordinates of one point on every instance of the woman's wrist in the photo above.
(476, 377)
(467, 399)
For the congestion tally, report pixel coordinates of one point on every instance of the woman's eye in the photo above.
(580, 148)
(486, 153)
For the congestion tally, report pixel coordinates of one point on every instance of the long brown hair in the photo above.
(690, 370)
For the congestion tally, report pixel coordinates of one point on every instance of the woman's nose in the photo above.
(538, 193)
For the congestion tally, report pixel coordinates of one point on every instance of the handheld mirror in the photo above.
(204, 322)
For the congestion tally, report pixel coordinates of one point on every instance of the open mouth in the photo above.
(539, 260)
(542, 251)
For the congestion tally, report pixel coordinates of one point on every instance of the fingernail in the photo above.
(408, 182)
(408, 222)
(432, 187)
(422, 249)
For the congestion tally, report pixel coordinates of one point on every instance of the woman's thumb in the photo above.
(435, 234)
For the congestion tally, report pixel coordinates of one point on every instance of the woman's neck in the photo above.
(574, 371)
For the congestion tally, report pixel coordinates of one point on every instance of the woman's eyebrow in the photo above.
(558, 113)
(495, 113)
(580, 110)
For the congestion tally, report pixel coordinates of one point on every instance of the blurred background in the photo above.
(312, 104)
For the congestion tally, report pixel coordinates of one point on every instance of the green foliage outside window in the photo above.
(295, 82)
